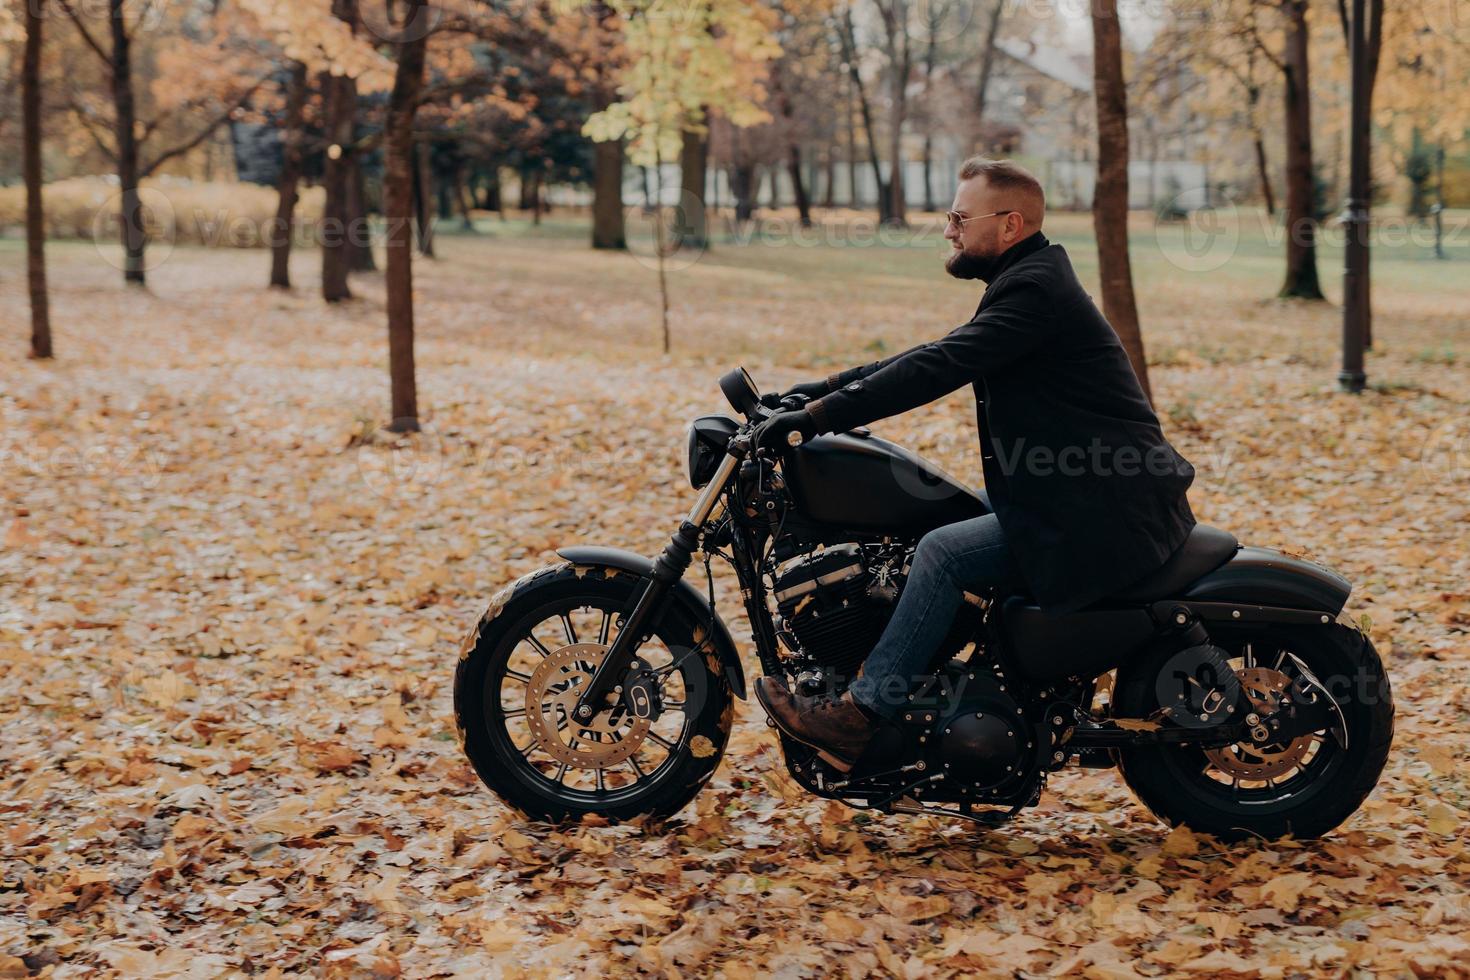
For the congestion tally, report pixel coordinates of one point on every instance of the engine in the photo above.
(833, 606)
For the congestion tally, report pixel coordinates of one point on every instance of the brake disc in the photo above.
(1246, 760)
(606, 739)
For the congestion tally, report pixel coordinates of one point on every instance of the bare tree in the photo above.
(30, 82)
(847, 36)
(398, 207)
(340, 93)
(608, 157)
(1301, 220)
(129, 134)
(894, 15)
(1110, 199)
(288, 183)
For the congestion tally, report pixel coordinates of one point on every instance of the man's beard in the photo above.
(966, 265)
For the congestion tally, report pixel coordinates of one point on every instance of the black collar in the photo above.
(1016, 253)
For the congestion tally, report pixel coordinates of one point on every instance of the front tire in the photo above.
(1305, 788)
(521, 669)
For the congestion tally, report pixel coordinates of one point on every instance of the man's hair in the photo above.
(1004, 175)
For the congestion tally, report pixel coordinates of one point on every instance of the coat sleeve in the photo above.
(1010, 327)
(843, 378)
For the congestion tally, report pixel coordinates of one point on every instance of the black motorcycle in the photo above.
(1227, 687)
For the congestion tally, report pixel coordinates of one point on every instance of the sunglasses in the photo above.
(958, 220)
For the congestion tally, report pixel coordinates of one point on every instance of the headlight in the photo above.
(709, 439)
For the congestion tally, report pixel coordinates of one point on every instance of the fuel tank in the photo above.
(858, 482)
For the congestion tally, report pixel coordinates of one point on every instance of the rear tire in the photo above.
(1183, 785)
(517, 638)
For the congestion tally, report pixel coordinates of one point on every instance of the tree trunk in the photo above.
(536, 197)
(829, 199)
(490, 199)
(693, 176)
(1301, 225)
(424, 199)
(359, 225)
(742, 186)
(1265, 174)
(398, 207)
(125, 133)
(445, 191)
(1110, 198)
(798, 187)
(464, 199)
(793, 161)
(1374, 34)
(987, 60)
(288, 184)
(928, 172)
(898, 202)
(528, 195)
(852, 164)
(341, 109)
(849, 54)
(608, 229)
(930, 54)
(30, 83)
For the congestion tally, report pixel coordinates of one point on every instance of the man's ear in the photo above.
(1015, 224)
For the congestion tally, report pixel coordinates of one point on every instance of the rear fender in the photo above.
(683, 593)
(1263, 577)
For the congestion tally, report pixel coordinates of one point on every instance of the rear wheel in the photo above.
(1304, 786)
(525, 666)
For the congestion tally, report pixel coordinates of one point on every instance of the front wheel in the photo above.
(526, 663)
(1305, 786)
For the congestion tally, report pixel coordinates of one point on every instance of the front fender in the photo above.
(683, 593)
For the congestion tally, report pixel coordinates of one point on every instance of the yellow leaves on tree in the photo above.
(685, 61)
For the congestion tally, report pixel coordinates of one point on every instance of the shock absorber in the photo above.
(1197, 686)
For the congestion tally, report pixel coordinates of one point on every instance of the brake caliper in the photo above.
(641, 692)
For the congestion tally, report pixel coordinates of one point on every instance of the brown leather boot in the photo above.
(835, 727)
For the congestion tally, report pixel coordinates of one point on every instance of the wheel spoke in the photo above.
(566, 623)
(606, 625)
(601, 780)
(512, 712)
(561, 773)
(660, 740)
(636, 768)
(531, 746)
(541, 647)
(523, 678)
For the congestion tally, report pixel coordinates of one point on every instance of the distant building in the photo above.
(1038, 111)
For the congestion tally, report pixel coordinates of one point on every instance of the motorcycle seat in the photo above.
(1206, 549)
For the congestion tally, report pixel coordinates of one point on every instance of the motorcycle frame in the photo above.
(1093, 741)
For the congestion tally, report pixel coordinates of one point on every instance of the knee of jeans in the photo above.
(933, 554)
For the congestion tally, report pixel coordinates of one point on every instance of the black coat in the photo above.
(1089, 493)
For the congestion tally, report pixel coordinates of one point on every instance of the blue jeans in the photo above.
(949, 561)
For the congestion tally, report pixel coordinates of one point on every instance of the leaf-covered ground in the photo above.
(229, 613)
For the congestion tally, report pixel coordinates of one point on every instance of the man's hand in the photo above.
(785, 429)
(811, 391)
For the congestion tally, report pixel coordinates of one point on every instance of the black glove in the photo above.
(811, 391)
(776, 431)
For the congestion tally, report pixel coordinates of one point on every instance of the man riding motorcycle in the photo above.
(1087, 494)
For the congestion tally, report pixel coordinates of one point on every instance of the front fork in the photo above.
(668, 569)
